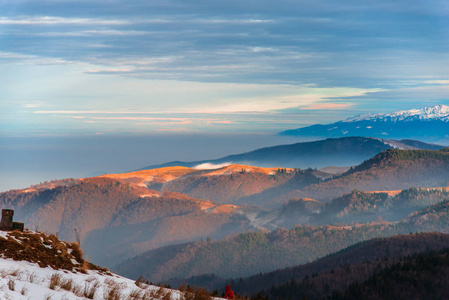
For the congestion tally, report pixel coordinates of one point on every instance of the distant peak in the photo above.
(426, 113)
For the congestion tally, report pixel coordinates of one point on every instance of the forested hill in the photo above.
(392, 169)
(255, 252)
(336, 271)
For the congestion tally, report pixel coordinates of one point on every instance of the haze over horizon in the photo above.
(142, 70)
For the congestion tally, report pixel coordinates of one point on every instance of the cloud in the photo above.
(439, 82)
(88, 33)
(302, 97)
(51, 20)
(31, 59)
(328, 106)
(223, 122)
(232, 21)
(210, 166)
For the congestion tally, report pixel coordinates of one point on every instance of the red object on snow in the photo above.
(228, 293)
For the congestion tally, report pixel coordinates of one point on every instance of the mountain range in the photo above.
(340, 152)
(430, 124)
(239, 220)
(128, 214)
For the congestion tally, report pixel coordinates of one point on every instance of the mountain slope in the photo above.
(255, 252)
(37, 266)
(430, 123)
(345, 151)
(115, 220)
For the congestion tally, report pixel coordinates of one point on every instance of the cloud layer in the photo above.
(252, 64)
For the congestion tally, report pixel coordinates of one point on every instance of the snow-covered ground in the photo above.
(34, 265)
(24, 280)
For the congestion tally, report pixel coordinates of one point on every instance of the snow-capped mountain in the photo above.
(428, 124)
(439, 112)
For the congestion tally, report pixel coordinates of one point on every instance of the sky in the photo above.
(78, 69)
(110, 67)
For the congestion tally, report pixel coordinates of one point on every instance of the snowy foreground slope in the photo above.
(36, 266)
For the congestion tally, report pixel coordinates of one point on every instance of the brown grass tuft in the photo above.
(112, 291)
(11, 284)
(24, 290)
(136, 294)
(67, 284)
(90, 288)
(199, 294)
(77, 290)
(55, 281)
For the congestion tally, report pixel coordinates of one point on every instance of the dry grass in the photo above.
(77, 290)
(136, 294)
(90, 288)
(48, 296)
(11, 284)
(55, 281)
(31, 277)
(112, 290)
(24, 290)
(160, 293)
(67, 284)
(199, 294)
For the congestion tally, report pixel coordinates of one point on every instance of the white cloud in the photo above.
(32, 59)
(86, 33)
(232, 21)
(440, 82)
(50, 20)
(210, 166)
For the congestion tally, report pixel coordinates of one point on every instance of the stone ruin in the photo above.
(6, 224)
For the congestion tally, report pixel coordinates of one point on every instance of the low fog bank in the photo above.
(30, 160)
